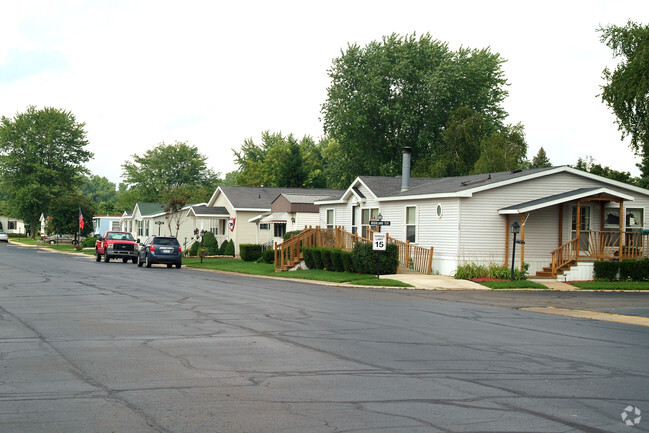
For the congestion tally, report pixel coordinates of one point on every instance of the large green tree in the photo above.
(168, 172)
(626, 90)
(42, 157)
(402, 91)
(101, 192)
(280, 161)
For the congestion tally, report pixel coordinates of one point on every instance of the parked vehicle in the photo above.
(4, 237)
(160, 249)
(117, 245)
(58, 239)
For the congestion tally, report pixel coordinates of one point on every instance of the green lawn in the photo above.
(612, 285)
(519, 284)
(253, 268)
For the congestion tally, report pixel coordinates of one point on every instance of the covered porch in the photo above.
(589, 227)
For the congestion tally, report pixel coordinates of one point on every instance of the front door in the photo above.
(584, 227)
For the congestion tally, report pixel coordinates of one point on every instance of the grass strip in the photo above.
(612, 285)
(519, 284)
(254, 268)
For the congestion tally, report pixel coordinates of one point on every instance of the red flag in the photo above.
(80, 219)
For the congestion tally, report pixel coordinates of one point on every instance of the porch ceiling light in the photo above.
(516, 228)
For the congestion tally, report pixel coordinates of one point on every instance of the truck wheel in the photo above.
(98, 257)
(106, 258)
(124, 260)
(148, 261)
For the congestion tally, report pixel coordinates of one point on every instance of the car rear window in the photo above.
(166, 241)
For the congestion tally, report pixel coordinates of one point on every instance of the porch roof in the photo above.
(564, 197)
(275, 217)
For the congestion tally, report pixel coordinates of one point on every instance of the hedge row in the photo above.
(212, 245)
(361, 259)
(625, 270)
(249, 252)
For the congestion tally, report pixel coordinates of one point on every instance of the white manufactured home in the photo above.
(471, 218)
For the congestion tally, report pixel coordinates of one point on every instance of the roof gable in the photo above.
(247, 198)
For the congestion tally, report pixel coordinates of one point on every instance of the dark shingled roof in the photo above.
(251, 197)
(391, 186)
(203, 210)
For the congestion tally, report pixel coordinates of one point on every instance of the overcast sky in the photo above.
(214, 73)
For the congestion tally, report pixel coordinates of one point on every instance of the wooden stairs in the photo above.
(547, 271)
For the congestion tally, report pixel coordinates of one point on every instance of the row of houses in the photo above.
(559, 210)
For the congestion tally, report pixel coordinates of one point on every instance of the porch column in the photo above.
(578, 228)
(507, 241)
(523, 221)
(622, 218)
(560, 225)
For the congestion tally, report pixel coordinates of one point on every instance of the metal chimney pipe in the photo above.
(405, 169)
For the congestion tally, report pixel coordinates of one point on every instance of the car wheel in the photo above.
(148, 261)
(124, 260)
(178, 265)
(52, 242)
(98, 257)
(106, 258)
(168, 265)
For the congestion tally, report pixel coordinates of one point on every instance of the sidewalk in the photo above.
(435, 282)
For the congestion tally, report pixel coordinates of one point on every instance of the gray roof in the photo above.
(310, 198)
(391, 186)
(203, 210)
(260, 198)
(562, 198)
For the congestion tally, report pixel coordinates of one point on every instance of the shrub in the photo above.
(89, 242)
(325, 253)
(307, 253)
(210, 242)
(317, 259)
(250, 252)
(493, 270)
(337, 260)
(268, 256)
(229, 248)
(634, 270)
(288, 235)
(346, 257)
(606, 271)
(193, 251)
(364, 259)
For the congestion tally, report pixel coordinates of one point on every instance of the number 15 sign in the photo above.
(379, 242)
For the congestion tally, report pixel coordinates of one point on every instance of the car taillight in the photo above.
(152, 248)
(180, 249)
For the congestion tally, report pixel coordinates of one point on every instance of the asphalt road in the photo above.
(110, 347)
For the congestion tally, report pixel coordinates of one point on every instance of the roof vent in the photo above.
(518, 170)
(405, 169)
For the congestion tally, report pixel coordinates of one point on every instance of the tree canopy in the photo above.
(280, 161)
(165, 173)
(402, 91)
(42, 157)
(626, 90)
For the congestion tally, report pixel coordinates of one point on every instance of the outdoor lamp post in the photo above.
(379, 217)
(516, 229)
(202, 234)
(159, 223)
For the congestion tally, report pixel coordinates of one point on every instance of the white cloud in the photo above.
(213, 74)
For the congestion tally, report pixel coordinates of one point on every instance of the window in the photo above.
(214, 226)
(146, 227)
(222, 224)
(354, 219)
(279, 229)
(411, 223)
(634, 219)
(264, 226)
(330, 218)
(115, 225)
(11, 225)
(439, 211)
(366, 216)
(140, 228)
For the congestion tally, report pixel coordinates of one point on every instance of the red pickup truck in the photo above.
(117, 245)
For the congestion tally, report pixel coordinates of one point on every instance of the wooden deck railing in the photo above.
(289, 252)
(600, 245)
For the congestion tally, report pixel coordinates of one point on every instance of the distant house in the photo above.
(103, 223)
(12, 225)
(141, 222)
(291, 212)
(567, 218)
(241, 204)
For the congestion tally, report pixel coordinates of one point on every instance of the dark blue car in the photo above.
(160, 249)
